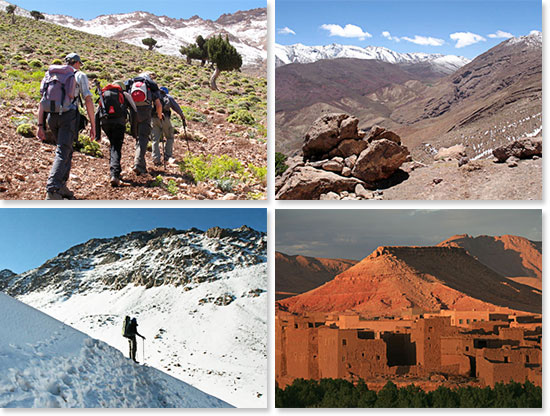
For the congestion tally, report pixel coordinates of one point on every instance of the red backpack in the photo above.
(114, 105)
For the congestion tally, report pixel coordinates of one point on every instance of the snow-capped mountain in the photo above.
(247, 30)
(298, 53)
(200, 299)
(45, 363)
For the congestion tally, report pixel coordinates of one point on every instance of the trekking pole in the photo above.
(163, 154)
(186, 137)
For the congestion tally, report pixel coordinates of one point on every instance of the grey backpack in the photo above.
(58, 89)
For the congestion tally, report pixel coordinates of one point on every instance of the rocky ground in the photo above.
(25, 163)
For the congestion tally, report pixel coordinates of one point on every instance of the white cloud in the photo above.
(286, 31)
(499, 34)
(387, 35)
(534, 32)
(424, 40)
(348, 31)
(466, 38)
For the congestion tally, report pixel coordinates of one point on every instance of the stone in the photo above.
(348, 128)
(522, 149)
(351, 147)
(379, 133)
(350, 161)
(346, 171)
(323, 135)
(437, 180)
(462, 161)
(332, 166)
(454, 152)
(379, 161)
(361, 192)
(512, 162)
(229, 197)
(329, 196)
(306, 182)
(338, 159)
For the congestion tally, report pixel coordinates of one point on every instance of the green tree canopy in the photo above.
(149, 42)
(37, 15)
(223, 56)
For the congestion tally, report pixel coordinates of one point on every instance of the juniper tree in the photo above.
(224, 57)
(37, 15)
(149, 42)
(10, 9)
(196, 50)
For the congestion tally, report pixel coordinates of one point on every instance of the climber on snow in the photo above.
(130, 332)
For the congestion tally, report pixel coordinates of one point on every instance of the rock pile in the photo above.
(520, 149)
(341, 162)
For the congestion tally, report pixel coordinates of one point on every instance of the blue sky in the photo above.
(407, 25)
(354, 234)
(207, 9)
(31, 236)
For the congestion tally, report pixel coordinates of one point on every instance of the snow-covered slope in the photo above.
(247, 30)
(298, 53)
(200, 299)
(44, 363)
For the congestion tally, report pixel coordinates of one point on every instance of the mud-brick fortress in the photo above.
(487, 347)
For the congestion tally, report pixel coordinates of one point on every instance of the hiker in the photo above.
(63, 88)
(145, 93)
(111, 117)
(130, 332)
(163, 127)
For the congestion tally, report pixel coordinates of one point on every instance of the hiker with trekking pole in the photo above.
(163, 128)
(130, 331)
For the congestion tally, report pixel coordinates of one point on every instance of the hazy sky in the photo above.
(465, 27)
(354, 234)
(183, 9)
(29, 237)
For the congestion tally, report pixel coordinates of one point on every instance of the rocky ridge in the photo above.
(144, 258)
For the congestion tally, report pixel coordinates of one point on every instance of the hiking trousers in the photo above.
(115, 134)
(132, 342)
(144, 133)
(64, 129)
(162, 128)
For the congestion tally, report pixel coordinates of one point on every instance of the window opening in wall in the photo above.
(344, 342)
(505, 359)
(526, 358)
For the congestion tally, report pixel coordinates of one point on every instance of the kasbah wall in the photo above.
(480, 346)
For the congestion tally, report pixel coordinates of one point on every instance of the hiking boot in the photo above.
(171, 161)
(115, 181)
(54, 196)
(157, 163)
(65, 192)
(139, 171)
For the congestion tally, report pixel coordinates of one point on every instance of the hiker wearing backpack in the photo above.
(130, 332)
(145, 93)
(111, 116)
(63, 88)
(163, 127)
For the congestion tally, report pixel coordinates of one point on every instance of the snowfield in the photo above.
(45, 363)
(190, 331)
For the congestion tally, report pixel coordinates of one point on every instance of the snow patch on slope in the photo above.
(45, 363)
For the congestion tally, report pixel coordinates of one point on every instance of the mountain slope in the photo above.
(432, 278)
(514, 257)
(45, 363)
(184, 287)
(247, 30)
(488, 102)
(298, 274)
(302, 54)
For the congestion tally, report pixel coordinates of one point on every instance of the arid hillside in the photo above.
(431, 278)
(511, 256)
(298, 274)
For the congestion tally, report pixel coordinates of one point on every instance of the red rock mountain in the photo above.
(432, 278)
(298, 274)
(512, 256)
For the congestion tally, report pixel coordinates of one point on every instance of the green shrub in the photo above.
(201, 168)
(280, 163)
(25, 130)
(57, 62)
(88, 147)
(35, 63)
(241, 117)
(225, 184)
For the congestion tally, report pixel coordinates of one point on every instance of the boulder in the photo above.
(350, 147)
(332, 166)
(457, 152)
(379, 133)
(350, 161)
(326, 133)
(380, 160)
(522, 149)
(329, 196)
(306, 182)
